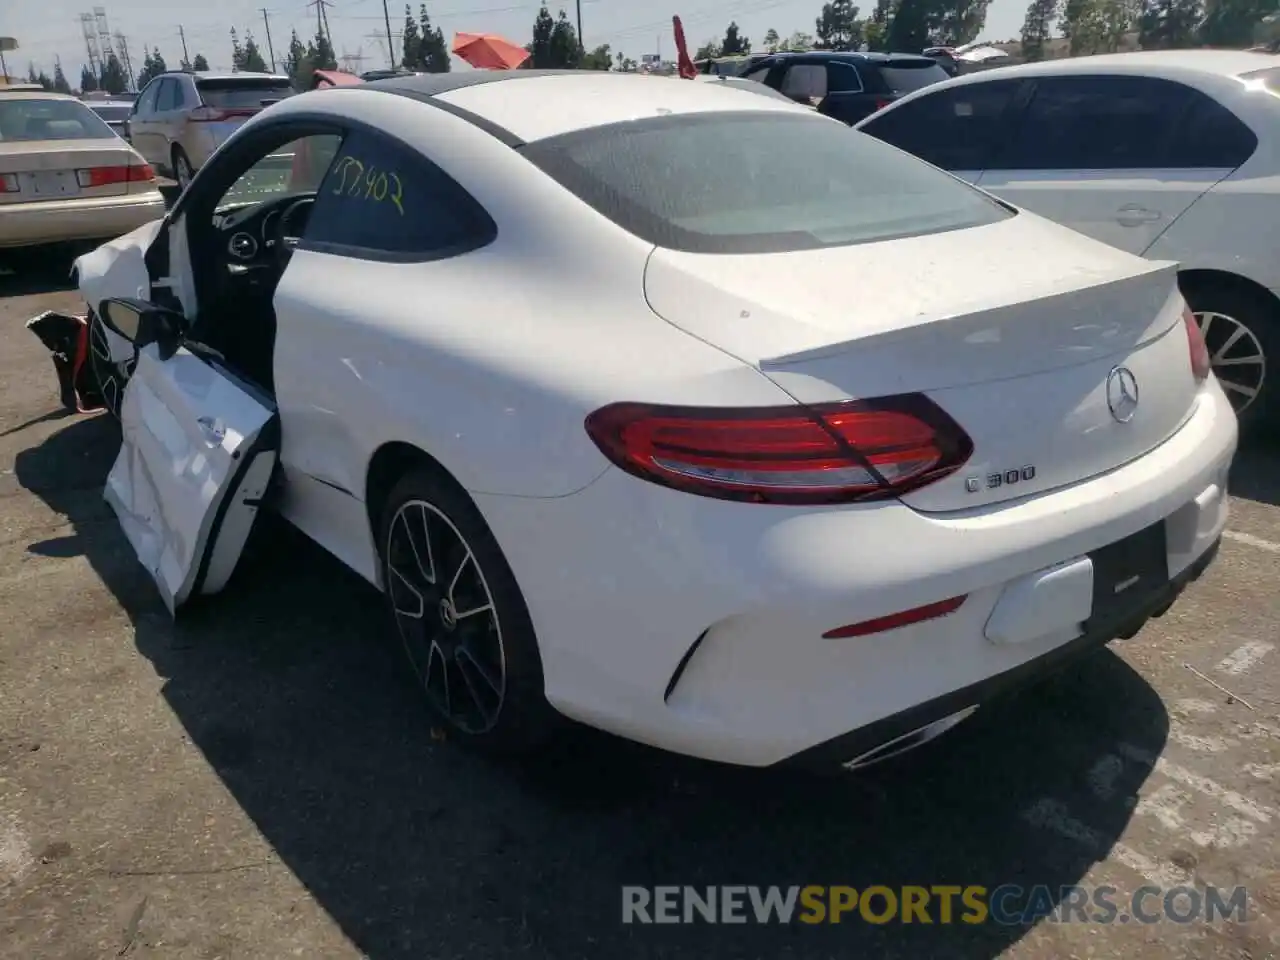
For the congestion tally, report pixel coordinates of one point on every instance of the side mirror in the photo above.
(143, 323)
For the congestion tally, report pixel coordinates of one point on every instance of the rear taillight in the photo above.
(856, 450)
(106, 176)
(1200, 364)
(8, 183)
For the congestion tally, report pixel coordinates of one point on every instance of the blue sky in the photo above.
(45, 28)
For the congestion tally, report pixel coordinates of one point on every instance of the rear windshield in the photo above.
(907, 76)
(242, 94)
(1269, 80)
(766, 182)
(38, 119)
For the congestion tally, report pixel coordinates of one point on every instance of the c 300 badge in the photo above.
(1007, 478)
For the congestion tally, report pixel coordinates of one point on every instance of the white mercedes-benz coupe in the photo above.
(684, 412)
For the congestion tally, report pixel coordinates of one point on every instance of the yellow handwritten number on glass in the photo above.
(370, 179)
(380, 188)
(397, 192)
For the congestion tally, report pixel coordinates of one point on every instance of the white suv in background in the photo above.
(1173, 155)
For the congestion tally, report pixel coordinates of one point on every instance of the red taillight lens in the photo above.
(8, 183)
(106, 176)
(207, 114)
(930, 611)
(1200, 364)
(882, 103)
(856, 450)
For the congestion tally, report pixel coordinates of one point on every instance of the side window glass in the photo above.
(956, 129)
(381, 195)
(165, 99)
(806, 81)
(1097, 123)
(843, 78)
(179, 94)
(1210, 136)
(760, 74)
(296, 167)
(146, 100)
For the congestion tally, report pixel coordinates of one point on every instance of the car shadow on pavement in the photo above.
(416, 848)
(32, 272)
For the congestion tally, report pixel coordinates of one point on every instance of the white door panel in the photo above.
(1128, 209)
(198, 451)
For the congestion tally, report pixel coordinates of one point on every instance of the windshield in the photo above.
(49, 119)
(903, 77)
(242, 94)
(757, 182)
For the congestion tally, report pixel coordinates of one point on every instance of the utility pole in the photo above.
(270, 49)
(582, 48)
(391, 51)
(322, 19)
(186, 59)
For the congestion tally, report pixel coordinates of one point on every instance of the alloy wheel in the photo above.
(111, 377)
(183, 171)
(446, 617)
(1237, 357)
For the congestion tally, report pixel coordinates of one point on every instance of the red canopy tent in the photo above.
(486, 51)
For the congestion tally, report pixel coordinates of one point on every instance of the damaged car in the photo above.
(783, 456)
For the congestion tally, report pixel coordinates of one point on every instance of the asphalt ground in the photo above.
(261, 781)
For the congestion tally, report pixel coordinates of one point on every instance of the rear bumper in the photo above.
(697, 626)
(57, 221)
(898, 728)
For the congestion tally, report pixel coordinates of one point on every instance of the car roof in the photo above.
(1221, 63)
(224, 75)
(37, 93)
(865, 56)
(528, 105)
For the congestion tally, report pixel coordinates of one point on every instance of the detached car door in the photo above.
(199, 449)
(1118, 158)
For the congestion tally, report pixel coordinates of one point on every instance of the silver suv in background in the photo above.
(181, 117)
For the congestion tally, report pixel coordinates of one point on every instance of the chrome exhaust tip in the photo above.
(908, 741)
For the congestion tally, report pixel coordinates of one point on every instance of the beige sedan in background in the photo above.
(66, 176)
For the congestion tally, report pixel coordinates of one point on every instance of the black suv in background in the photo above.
(846, 86)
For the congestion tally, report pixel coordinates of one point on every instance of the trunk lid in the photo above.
(47, 169)
(1013, 328)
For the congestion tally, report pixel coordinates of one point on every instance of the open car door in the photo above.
(199, 449)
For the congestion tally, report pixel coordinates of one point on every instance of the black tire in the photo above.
(110, 377)
(181, 159)
(1220, 308)
(523, 719)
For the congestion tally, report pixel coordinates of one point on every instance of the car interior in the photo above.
(241, 238)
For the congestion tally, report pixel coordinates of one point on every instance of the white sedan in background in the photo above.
(757, 455)
(1172, 154)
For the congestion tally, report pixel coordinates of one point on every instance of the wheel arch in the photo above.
(389, 463)
(1201, 277)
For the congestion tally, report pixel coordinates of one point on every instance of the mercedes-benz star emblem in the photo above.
(1122, 394)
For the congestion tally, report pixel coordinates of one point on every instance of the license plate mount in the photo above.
(1129, 571)
(50, 183)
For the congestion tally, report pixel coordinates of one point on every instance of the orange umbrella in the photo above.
(488, 52)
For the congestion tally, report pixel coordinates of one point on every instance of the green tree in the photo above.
(798, 42)
(958, 22)
(199, 63)
(113, 79)
(295, 65)
(433, 54)
(734, 44)
(566, 51)
(31, 73)
(601, 58)
(708, 51)
(252, 60)
(1037, 27)
(1169, 24)
(152, 65)
(88, 82)
(771, 40)
(410, 42)
(838, 27)
(60, 79)
(320, 54)
(540, 56)
(237, 51)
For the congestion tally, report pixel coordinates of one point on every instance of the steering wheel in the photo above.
(285, 234)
